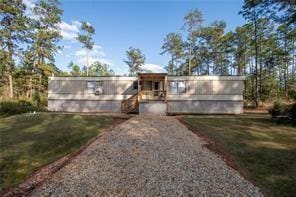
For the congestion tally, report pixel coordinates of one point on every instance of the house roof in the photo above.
(151, 75)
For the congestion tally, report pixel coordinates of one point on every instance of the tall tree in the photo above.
(45, 37)
(282, 11)
(47, 33)
(251, 12)
(192, 23)
(86, 39)
(135, 59)
(174, 46)
(13, 31)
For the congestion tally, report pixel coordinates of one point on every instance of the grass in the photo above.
(29, 141)
(263, 149)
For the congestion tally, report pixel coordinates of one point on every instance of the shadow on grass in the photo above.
(29, 141)
(263, 150)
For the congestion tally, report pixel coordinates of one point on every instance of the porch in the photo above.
(150, 97)
(151, 87)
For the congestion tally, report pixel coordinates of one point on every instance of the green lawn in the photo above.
(28, 141)
(263, 149)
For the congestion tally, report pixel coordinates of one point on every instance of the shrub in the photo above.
(12, 107)
(291, 110)
(283, 110)
(36, 98)
(276, 110)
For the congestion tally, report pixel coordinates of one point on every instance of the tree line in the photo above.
(29, 45)
(263, 49)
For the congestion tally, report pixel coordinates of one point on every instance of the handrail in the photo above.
(129, 104)
(152, 94)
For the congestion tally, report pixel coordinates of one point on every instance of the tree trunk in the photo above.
(189, 66)
(86, 62)
(260, 70)
(10, 86)
(257, 96)
(11, 66)
(172, 66)
(40, 82)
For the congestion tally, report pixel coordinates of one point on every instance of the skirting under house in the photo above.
(148, 93)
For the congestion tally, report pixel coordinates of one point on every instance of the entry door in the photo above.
(156, 88)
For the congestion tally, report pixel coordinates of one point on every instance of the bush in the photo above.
(283, 110)
(18, 107)
(276, 110)
(291, 110)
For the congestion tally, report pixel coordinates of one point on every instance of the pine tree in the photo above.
(174, 46)
(86, 40)
(192, 23)
(135, 59)
(12, 32)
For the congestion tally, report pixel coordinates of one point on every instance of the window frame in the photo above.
(95, 85)
(176, 89)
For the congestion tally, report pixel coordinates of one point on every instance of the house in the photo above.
(156, 93)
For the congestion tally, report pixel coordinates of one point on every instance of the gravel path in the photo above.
(147, 156)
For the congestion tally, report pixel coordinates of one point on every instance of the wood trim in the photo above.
(87, 97)
(119, 78)
(197, 78)
(204, 97)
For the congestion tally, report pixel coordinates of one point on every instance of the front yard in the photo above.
(29, 141)
(263, 150)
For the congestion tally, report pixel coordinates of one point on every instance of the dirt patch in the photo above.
(44, 172)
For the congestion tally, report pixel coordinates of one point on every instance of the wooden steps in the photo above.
(130, 105)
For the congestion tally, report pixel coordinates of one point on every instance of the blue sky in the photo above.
(141, 24)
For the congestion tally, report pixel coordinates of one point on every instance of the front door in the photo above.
(156, 88)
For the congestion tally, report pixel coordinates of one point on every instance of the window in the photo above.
(156, 85)
(181, 87)
(177, 87)
(95, 87)
(135, 85)
(174, 87)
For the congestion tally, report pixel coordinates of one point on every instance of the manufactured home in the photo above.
(148, 93)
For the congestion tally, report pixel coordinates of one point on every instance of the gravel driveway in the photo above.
(147, 156)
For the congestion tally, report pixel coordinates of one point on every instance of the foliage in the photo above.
(12, 107)
(262, 150)
(100, 69)
(276, 110)
(30, 141)
(46, 33)
(12, 32)
(283, 110)
(192, 24)
(75, 69)
(173, 45)
(282, 11)
(262, 50)
(135, 59)
(86, 40)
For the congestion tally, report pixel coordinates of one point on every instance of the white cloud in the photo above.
(96, 54)
(69, 30)
(67, 46)
(154, 68)
(30, 4)
(91, 60)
